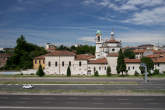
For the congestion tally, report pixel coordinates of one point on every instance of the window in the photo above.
(128, 68)
(133, 67)
(158, 64)
(49, 64)
(113, 50)
(94, 69)
(39, 62)
(43, 61)
(79, 63)
(105, 68)
(35, 61)
(69, 63)
(99, 68)
(55, 63)
(98, 38)
(63, 63)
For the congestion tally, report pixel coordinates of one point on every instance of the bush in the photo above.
(136, 73)
(156, 71)
(40, 71)
(96, 73)
(68, 72)
(108, 71)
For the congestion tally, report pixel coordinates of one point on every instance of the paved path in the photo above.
(53, 102)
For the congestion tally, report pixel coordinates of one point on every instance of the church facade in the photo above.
(106, 55)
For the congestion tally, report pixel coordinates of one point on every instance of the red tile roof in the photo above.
(159, 60)
(98, 61)
(61, 53)
(132, 60)
(40, 57)
(139, 50)
(84, 57)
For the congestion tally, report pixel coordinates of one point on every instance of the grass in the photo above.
(85, 91)
(65, 82)
(80, 76)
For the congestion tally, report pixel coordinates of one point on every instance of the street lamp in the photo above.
(146, 73)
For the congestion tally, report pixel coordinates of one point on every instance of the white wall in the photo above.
(112, 62)
(132, 67)
(101, 68)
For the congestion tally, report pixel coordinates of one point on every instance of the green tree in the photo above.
(108, 71)
(142, 69)
(121, 66)
(23, 55)
(156, 71)
(136, 73)
(68, 71)
(40, 72)
(96, 73)
(128, 53)
(149, 63)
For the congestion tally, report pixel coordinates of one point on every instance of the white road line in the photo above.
(122, 99)
(22, 102)
(4, 97)
(148, 99)
(73, 98)
(126, 103)
(49, 98)
(98, 98)
(71, 108)
(153, 103)
(98, 103)
(25, 98)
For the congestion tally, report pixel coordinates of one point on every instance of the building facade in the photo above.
(106, 54)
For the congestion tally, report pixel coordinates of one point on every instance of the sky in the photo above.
(70, 22)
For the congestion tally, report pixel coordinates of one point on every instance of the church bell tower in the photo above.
(98, 44)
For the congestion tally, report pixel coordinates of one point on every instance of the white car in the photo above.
(27, 86)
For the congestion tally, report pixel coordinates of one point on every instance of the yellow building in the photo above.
(39, 60)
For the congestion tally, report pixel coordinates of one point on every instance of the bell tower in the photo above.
(98, 44)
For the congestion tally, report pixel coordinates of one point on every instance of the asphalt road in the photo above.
(140, 87)
(56, 102)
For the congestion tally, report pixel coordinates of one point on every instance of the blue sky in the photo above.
(71, 22)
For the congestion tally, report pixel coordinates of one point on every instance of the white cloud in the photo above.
(147, 17)
(87, 39)
(143, 37)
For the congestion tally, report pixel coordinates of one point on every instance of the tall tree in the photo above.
(108, 71)
(121, 66)
(40, 71)
(149, 63)
(68, 71)
(128, 53)
(23, 55)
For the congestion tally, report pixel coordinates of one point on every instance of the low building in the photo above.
(3, 59)
(37, 61)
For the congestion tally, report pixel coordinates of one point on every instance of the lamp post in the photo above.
(146, 73)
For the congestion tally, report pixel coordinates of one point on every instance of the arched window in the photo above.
(35, 61)
(39, 62)
(99, 68)
(55, 63)
(113, 50)
(105, 68)
(63, 63)
(80, 63)
(69, 63)
(49, 63)
(98, 38)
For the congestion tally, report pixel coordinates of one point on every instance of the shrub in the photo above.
(108, 71)
(96, 73)
(40, 71)
(68, 72)
(156, 71)
(136, 73)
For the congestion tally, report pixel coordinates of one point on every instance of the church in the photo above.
(106, 55)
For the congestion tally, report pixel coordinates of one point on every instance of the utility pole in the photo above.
(146, 73)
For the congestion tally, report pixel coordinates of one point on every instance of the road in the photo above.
(67, 87)
(62, 102)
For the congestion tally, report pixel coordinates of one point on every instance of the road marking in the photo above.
(73, 98)
(22, 102)
(148, 99)
(4, 97)
(71, 108)
(49, 98)
(26, 98)
(71, 102)
(98, 98)
(98, 103)
(152, 103)
(122, 99)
